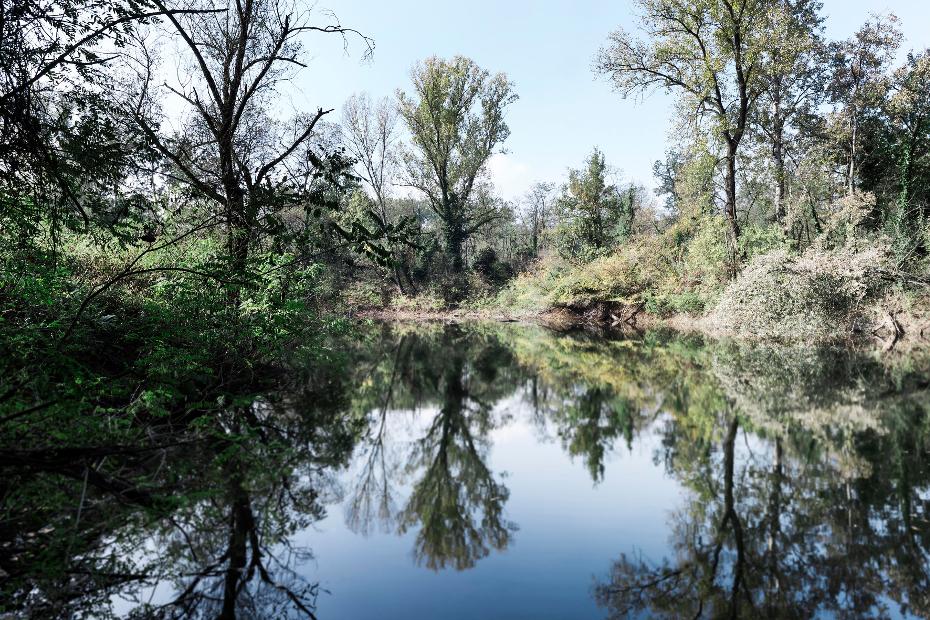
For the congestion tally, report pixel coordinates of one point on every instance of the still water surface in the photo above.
(507, 471)
(515, 473)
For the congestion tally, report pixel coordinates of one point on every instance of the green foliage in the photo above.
(456, 121)
(851, 223)
(529, 292)
(681, 270)
(424, 302)
(858, 86)
(65, 148)
(671, 303)
(756, 240)
(593, 216)
(167, 326)
(694, 182)
(364, 294)
(706, 254)
(617, 277)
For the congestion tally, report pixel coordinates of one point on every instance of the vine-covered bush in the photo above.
(810, 296)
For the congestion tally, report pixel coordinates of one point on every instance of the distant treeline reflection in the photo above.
(806, 473)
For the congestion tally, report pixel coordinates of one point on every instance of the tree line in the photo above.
(779, 129)
(789, 120)
(777, 123)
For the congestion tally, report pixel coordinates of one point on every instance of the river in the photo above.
(509, 471)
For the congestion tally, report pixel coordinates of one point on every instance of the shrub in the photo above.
(491, 268)
(686, 302)
(787, 297)
(531, 291)
(706, 259)
(616, 277)
(850, 220)
(681, 269)
(363, 294)
(424, 302)
(756, 240)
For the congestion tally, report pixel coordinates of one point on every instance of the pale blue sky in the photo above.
(546, 48)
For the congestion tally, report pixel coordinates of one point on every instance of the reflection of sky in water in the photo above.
(570, 530)
(480, 456)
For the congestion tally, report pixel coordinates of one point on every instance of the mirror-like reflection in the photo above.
(456, 502)
(803, 471)
(807, 494)
(190, 522)
(512, 464)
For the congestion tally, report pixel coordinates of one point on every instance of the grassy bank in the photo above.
(848, 281)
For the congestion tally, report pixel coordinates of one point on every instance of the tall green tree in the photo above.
(710, 53)
(794, 82)
(859, 80)
(594, 213)
(908, 116)
(455, 117)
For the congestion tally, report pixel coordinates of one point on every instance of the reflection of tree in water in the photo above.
(194, 524)
(372, 500)
(808, 470)
(710, 572)
(808, 474)
(231, 555)
(456, 504)
(456, 501)
(815, 514)
(586, 393)
(592, 422)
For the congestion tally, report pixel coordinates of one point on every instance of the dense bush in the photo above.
(682, 269)
(142, 347)
(491, 268)
(810, 296)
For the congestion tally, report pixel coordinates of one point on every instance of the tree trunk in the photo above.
(730, 514)
(851, 172)
(774, 523)
(398, 278)
(730, 182)
(241, 521)
(238, 240)
(454, 232)
(778, 155)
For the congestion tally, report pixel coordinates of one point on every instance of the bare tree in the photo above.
(230, 150)
(539, 201)
(370, 135)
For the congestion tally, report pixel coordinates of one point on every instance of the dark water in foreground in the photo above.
(509, 472)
